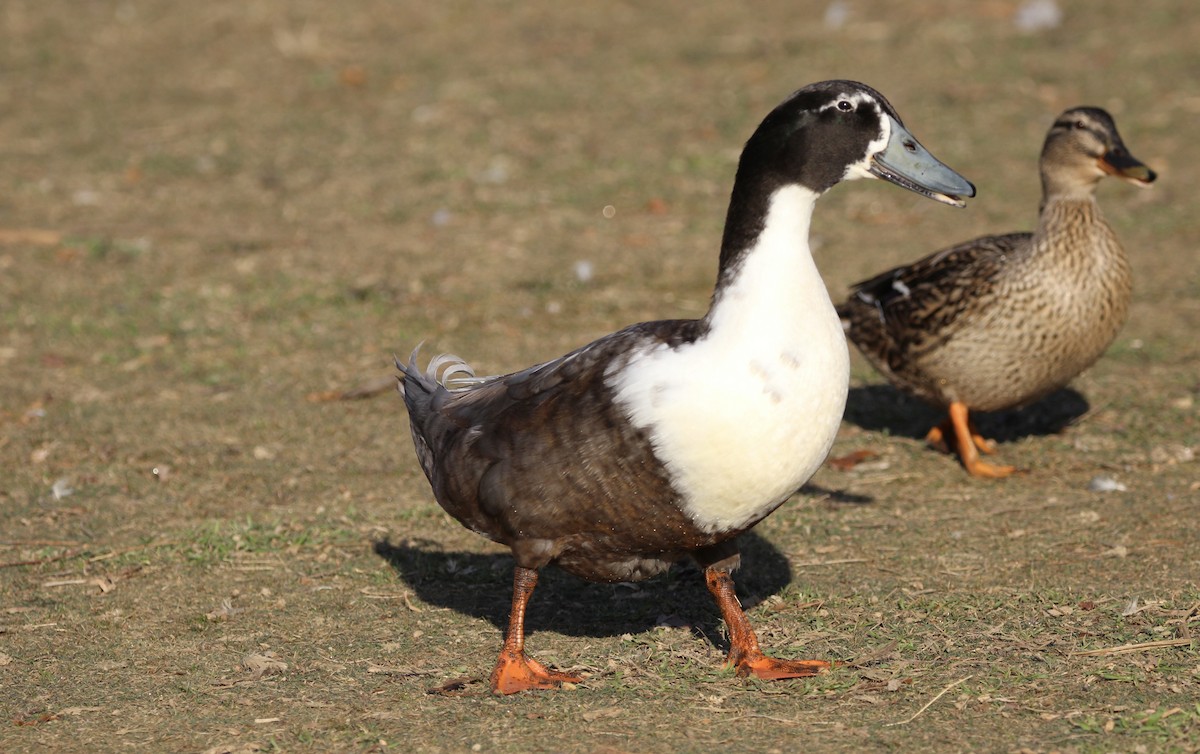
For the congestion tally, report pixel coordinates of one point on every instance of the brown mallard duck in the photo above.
(1000, 321)
(667, 439)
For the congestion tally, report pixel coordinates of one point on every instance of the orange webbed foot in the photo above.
(970, 444)
(767, 668)
(987, 470)
(516, 672)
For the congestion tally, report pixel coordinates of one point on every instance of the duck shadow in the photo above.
(883, 408)
(480, 585)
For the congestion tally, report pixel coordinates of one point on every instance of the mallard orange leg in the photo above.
(936, 438)
(968, 443)
(744, 653)
(514, 671)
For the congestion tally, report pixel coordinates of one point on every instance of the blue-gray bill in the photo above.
(906, 163)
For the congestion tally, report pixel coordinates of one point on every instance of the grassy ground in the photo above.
(214, 214)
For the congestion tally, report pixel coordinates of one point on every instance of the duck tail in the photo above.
(426, 395)
(445, 372)
(414, 385)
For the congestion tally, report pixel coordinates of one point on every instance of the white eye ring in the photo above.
(845, 106)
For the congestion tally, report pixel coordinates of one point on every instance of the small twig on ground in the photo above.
(126, 550)
(30, 236)
(840, 561)
(1184, 631)
(875, 655)
(1127, 648)
(64, 582)
(62, 556)
(772, 718)
(929, 704)
(400, 671)
(406, 596)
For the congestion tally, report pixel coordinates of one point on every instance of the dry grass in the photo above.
(210, 212)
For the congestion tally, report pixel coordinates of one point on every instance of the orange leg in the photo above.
(514, 671)
(983, 444)
(936, 438)
(968, 443)
(744, 653)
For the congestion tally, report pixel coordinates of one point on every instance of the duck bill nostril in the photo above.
(1121, 164)
(904, 162)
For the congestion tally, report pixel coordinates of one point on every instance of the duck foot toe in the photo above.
(515, 672)
(772, 669)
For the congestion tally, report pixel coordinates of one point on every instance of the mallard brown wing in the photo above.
(900, 314)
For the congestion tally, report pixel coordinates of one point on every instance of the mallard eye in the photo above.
(1079, 125)
(845, 106)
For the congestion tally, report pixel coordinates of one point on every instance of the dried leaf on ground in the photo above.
(454, 686)
(267, 663)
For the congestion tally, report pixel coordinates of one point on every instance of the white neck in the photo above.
(743, 416)
(774, 279)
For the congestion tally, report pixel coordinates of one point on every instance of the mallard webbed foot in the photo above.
(981, 468)
(967, 443)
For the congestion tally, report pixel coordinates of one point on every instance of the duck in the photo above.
(665, 440)
(1000, 321)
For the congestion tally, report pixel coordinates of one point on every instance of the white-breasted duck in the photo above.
(667, 439)
(1000, 321)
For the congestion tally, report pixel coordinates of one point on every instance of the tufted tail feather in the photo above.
(444, 371)
(426, 393)
(452, 372)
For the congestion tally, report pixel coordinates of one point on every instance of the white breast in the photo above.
(744, 416)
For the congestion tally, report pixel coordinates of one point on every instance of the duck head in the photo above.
(834, 131)
(1083, 146)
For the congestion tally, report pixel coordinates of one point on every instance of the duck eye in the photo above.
(845, 106)
(1079, 125)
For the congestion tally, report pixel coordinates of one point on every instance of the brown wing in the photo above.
(904, 312)
(544, 460)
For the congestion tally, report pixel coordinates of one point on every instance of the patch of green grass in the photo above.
(219, 541)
